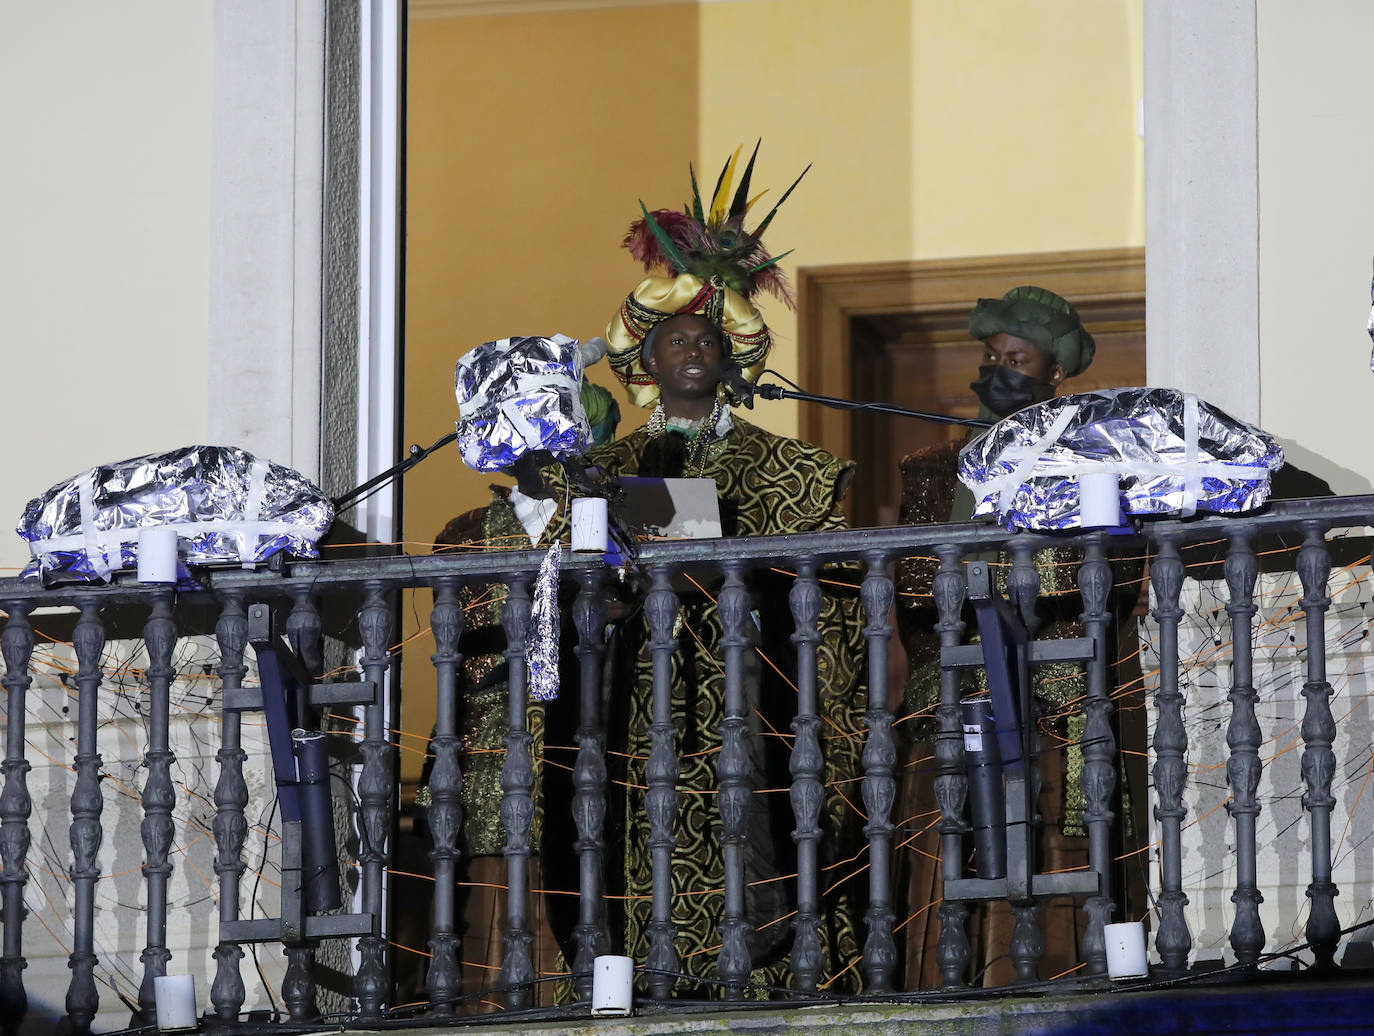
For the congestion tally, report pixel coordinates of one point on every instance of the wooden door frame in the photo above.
(830, 297)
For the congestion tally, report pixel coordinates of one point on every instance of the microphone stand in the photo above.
(414, 457)
(778, 392)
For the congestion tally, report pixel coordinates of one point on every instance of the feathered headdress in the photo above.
(714, 266)
(712, 243)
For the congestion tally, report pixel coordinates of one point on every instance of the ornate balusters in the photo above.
(589, 778)
(227, 992)
(303, 628)
(86, 835)
(1023, 589)
(159, 796)
(517, 804)
(661, 774)
(1243, 767)
(375, 792)
(1099, 749)
(1318, 732)
(951, 781)
(445, 811)
(1170, 747)
(734, 770)
(879, 784)
(808, 768)
(16, 643)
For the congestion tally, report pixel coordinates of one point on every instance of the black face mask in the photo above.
(1005, 391)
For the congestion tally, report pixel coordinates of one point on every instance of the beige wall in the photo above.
(934, 128)
(1316, 85)
(104, 270)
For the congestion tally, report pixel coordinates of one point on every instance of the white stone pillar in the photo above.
(1202, 201)
(266, 201)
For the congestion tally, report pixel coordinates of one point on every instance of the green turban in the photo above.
(603, 412)
(1042, 318)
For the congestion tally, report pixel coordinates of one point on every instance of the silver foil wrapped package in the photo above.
(227, 505)
(1173, 453)
(518, 395)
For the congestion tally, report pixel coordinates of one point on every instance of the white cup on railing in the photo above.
(157, 554)
(1126, 950)
(175, 997)
(590, 525)
(1099, 500)
(612, 986)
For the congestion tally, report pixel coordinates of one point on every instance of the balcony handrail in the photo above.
(486, 563)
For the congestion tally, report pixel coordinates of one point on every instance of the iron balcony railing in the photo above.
(366, 590)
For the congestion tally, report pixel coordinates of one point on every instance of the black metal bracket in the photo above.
(1008, 654)
(287, 697)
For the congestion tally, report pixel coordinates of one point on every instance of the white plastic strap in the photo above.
(1192, 473)
(94, 544)
(186, 530)
(252, 511)
(1010, 483)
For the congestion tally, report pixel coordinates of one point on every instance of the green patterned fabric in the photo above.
(767, 485)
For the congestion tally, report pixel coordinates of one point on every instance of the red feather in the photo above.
(645, 247)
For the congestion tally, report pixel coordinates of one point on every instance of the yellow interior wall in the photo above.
(934, 128)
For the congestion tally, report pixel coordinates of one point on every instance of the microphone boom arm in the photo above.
(778, 392)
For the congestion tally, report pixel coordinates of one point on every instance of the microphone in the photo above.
(591, 351)
(742, 388)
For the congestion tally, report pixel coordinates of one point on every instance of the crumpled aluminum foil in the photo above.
(1173, 453)
(517, 395)
(228, 506)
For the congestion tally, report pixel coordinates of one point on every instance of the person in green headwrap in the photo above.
(1033, 340)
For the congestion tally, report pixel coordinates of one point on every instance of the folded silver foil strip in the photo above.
(1024, 469)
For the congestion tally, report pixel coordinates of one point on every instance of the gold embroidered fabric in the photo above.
(767, 485)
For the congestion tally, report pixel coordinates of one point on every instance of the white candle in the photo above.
(175, 996)
(1099, 500)
(590, 522)
(1126, 950)
(157, 554)
(612, 985)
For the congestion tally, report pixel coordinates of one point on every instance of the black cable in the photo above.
(252, 907)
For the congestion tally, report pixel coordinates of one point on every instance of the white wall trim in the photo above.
(266, 196)
(1202, 201)
(379, 258)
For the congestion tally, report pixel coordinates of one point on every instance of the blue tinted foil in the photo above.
(517, 395)
(184, 487)
(1139, 433)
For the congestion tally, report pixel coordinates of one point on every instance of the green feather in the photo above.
(741, 202)
(663, 238)
(696, 197)
(758, 231)
(776, 258)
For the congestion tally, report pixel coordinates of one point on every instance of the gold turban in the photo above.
(656, 299)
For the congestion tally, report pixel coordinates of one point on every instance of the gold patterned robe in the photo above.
(767, 485)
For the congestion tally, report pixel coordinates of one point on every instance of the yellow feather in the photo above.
(750, 204)
(720, 204)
